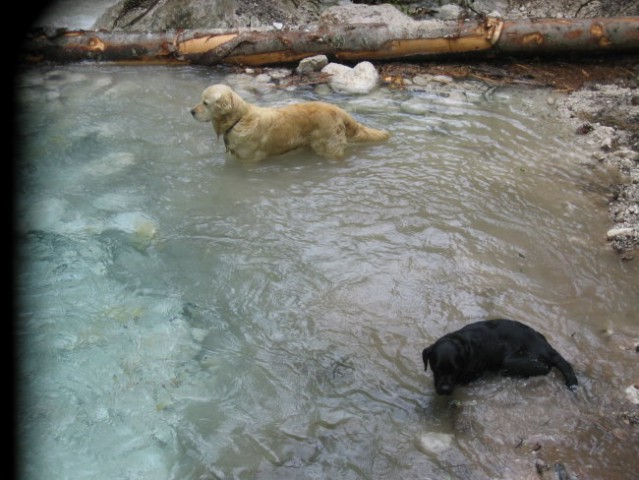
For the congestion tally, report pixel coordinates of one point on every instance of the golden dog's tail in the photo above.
(362, 133)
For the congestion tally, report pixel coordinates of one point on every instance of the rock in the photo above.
(422, 80)
(312, 64)
(628, 153)
(621, 231)
(606, 144)
(434, 443)
(45, 215)
(263, 78)
(449, 12)
(415, 108)
(362, 79)
(560, 470)
(443, 79)
(541, 466)
(140, 226)
(141, 15)
(111, 163)
(632, 394)
(348, 14)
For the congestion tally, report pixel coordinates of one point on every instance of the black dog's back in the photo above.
(507, 346)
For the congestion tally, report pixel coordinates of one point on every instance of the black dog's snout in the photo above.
(444, 389)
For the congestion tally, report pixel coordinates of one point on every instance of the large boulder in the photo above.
(361, 79)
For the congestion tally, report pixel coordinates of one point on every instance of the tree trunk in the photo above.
(345, 42)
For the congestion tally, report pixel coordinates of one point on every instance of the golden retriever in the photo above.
(254, 133)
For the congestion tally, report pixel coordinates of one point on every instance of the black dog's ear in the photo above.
(425, 355)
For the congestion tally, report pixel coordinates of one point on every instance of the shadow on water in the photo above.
(186, 316)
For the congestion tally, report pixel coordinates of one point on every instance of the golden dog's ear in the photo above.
(224, 102)
(220, 99)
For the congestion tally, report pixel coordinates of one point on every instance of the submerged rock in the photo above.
(140, 226)
(434, 443)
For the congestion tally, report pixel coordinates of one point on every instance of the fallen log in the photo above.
(427, 39)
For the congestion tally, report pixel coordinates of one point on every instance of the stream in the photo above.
(182, 315)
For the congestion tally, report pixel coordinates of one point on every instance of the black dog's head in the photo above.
(448, 360)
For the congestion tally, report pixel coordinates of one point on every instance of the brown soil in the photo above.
(565, 75)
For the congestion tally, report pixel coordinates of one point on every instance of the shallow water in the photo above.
(184, 316)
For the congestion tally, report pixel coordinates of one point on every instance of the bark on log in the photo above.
(345, 42)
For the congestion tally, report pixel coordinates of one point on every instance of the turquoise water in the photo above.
(185, 316)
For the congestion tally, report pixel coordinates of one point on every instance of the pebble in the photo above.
(434, 443)
(422, 80)
(111, 163)
(443, 79)
(449, 12)
(621, 231)
(632, 394)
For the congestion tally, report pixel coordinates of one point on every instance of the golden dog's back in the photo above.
(309, 116)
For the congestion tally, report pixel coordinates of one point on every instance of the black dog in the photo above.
(504, 346)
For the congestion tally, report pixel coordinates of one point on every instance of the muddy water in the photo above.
(184, 316)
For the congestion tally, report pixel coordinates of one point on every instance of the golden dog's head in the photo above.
(218, 102)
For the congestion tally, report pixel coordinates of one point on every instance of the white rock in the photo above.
(422, 80)
(141, 226)
(443, 79)
(114, 201)
(628, 153)
(621, 231)
(434, 443)
(632, 394)
(263, 77)
(449, 12)
(279, 73)
(361, 79)
(415, 108)
(45, 214)
(606, 144)
(347, 14)
(111, 163)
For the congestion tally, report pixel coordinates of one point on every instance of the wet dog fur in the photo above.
(253, 133)
(501, 345)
